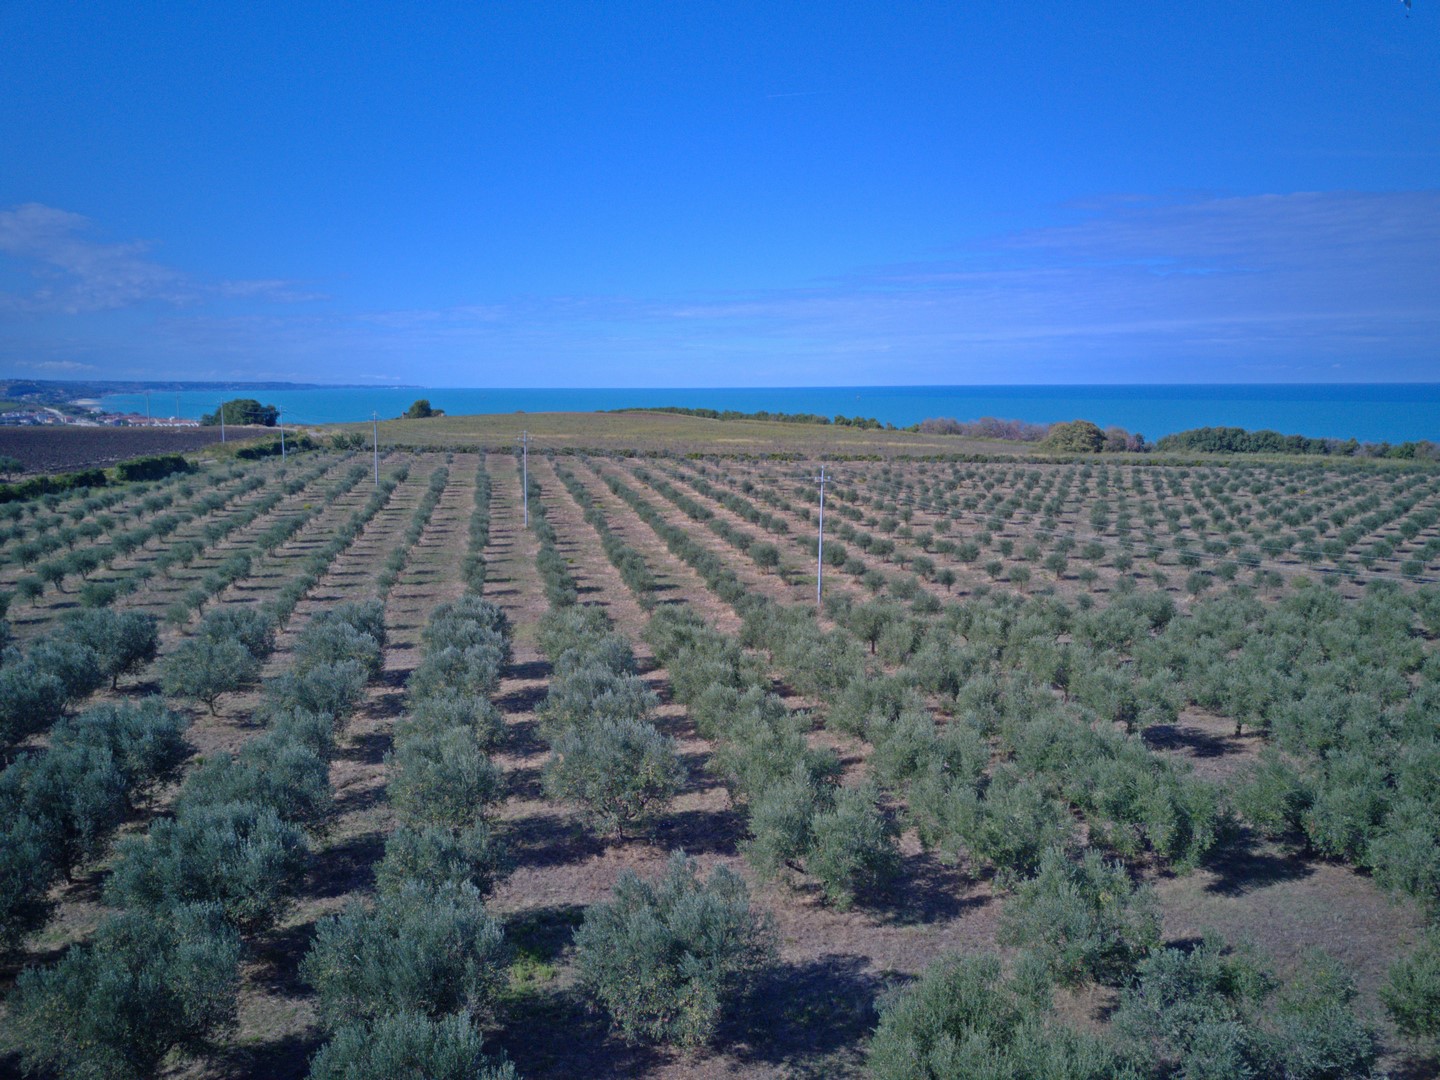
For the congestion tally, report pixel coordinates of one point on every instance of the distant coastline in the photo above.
(1379, 412)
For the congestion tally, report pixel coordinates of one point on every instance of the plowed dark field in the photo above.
(63, 449)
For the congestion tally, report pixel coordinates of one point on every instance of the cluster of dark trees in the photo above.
(864, 422)
(987, 427)
(54, 484)
(1071, 437)
(1234, 440)
(243, 411)
(421, 409)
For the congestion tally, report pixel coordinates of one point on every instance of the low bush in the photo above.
(242, 856)
(620, 772)
(425, 949)
(965, 1018)
(665, 959)
(435, 856)
(1085, 920)
(139, 989)
(409, 1044)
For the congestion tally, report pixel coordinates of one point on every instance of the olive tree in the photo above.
(202, 670)
(425, 949)
(1084, 919)
(666, 958)
(409, 1044)
(966, 1017)
(140, 988)
(240, 855)
(619, 771)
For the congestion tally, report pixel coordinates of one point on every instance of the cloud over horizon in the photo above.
(78, 274)
(1305, 286)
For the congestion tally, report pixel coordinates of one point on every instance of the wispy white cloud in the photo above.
(68, 367)
(1133, 288)
(76, 273)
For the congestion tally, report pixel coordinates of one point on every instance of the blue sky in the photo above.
(700, 194)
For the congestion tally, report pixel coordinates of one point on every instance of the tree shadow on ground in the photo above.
(525, 782)
(546, 840)
(345, 867)
(1183, 737)
(701, 832)
(522, 739)
(528, 669)
(925, 891)
(808, 1018)
(367, 749)
(524, 700)
(277, 954)
(282, 1058)
(1246, 863)
(543, 933)
(552, 1031)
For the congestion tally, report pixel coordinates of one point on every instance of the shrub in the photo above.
(425, 949)
(1008, 825)
(31, 700)
(123, 642)
(444, 780)
(334, 689)
(1075, 437)
(620, 772)
(239, 855)
(115, 1006)
(1085, 920)
(1312, 1032)
(432, 715)
(202, 670)
(437, 856)
(1412, 993)
(474, 669)
(251, 627)
(327, 642)
(1192, 1011)
(26, 871)
(666, 959)
(852, 848)
(75, 665)
(75, 793)
(285, 776)
(965, 1018)
(153, 467)
(590, 693)
(146, 741)
(409, 1044)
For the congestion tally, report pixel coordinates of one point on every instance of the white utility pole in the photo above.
(281, 422)
(375, 419)
(525, 475)
(222, 421)
(820, 546)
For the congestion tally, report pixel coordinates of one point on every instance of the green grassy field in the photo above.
(670, 433)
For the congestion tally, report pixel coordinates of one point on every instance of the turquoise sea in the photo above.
(1392, 412)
